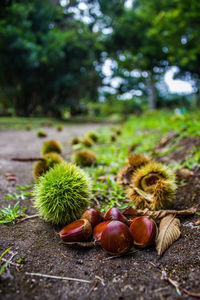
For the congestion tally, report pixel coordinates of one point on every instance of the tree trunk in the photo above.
(197, 94)
(152, 95)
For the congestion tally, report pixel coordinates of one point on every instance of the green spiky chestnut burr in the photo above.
(62, 194)
(51, 146)
(84, 158)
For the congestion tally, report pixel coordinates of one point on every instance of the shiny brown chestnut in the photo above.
(144, 231)
(116, 238)
(114, 214)
(93, 216)
(77, 231)
(98, 229)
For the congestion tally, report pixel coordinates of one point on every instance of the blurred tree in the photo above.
(177, 26)
(46, 58)
(134, 48)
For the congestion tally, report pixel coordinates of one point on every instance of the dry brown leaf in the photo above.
(157, 214)
(184, 173)
(169, 232)
(197, 222)
(81, 245)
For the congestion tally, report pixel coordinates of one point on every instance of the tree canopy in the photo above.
(51, 58)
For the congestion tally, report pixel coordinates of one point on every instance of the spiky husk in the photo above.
(135, 161)
(87, 142)
(62, 194)
(153, 186)
(51, 146)
(84, 158)
(59, 127)
(124, 175)
(42, 166)
(75, 141)
(113, 138)
(93, 136)
(41, 133)
(28, 127)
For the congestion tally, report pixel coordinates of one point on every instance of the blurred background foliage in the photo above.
(53, 53)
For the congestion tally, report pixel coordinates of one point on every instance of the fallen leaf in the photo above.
(169, 232)
(197, 222)
(81, 245)
(157, 214)
(184, 173)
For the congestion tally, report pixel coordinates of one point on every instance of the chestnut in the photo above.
(98, 229)
(144, 231)
(116, 238)
(93, 216)
(114, 214)
(77, 231)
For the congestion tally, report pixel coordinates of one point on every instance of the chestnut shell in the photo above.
(114, 214)
(93, 216)
(116, 238)
(77, 231)
(144, 231)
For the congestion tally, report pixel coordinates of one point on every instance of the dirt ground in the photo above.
(134, 276)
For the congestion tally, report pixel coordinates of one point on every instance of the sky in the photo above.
(174, 85)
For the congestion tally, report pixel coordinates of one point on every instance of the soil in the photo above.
(133, 276)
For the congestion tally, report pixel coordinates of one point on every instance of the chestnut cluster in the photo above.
(114, 232)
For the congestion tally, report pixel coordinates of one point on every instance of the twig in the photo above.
(27, 159)
(116, 256)
(10, 262)
(97, 202)
(172, 282)
(101, 279)
(197, 295)
(177, 286)
(92, 288)
(27, 218)
(57, 277)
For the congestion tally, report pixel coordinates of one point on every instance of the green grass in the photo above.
(28, 123)
(4, 265)
(23, 192)
(9, 214)
(146, 131)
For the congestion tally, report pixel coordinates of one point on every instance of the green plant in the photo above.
(41, 133)
(23, 192)
(9, 214)
(4, 265)
(42, 166)
(84, 158)
(62, 194)
(51, 146)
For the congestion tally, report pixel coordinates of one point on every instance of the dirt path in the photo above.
(135, 276)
